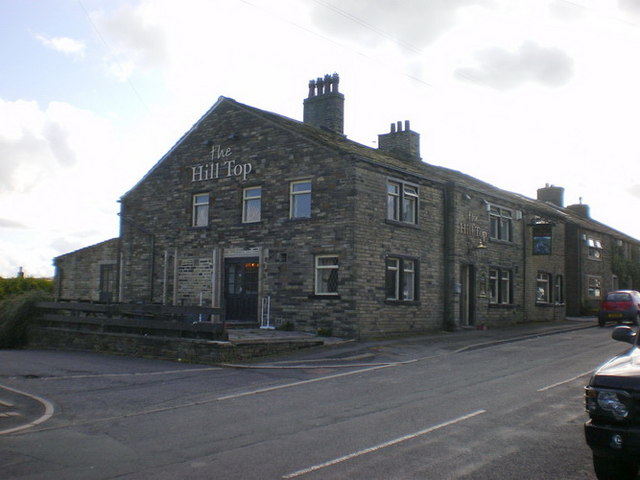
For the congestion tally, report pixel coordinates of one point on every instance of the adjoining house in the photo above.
(291, 222)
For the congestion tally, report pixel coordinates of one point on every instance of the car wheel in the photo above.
(614, 469)
(636, 321)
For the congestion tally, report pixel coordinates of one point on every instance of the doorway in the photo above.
(241, 289)
(467, 295)
(107, 287)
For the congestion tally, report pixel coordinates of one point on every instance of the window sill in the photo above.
(326, 296)
(402, 302)
(502, 242)
(549, 304)
(502, 305)
(397, 223)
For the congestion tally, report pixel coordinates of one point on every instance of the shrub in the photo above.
(15, 313)
(324, 332)
(286, 326)
(15, 286)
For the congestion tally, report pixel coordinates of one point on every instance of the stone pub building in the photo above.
(287, 222)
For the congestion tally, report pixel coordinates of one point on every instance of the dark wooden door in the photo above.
(241, 289)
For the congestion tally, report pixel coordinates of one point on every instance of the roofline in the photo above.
(221, 99)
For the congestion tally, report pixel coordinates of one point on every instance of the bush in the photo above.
(15, 286)
(15, 313)
(324, 332)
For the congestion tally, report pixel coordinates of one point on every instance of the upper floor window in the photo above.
(200, 210)
(300, 193)
(327, 275)
(500, 224)
(251, 204)
(402, 202)
(542, 239)
(500, 286)
(400, 282)
(594, 248)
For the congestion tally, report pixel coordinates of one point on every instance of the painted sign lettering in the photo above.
(218, 167)
(471, 228)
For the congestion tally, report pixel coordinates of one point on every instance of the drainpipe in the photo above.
(449, 256)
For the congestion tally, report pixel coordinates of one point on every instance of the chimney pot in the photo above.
(324, 108)
(552, 194)
(335, 80)
(403, 143)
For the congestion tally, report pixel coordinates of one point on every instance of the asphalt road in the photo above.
(387, 410)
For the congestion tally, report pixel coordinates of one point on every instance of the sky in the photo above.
(517, 93)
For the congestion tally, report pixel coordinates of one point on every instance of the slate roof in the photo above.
(426, 171)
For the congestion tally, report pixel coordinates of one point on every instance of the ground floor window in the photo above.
(559, 289)
(594, 287)
(400, 282)
(543, 288)
(500, 286)
(327, 275)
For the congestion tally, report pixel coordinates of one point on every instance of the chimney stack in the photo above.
(324, 108)
(580, 209)
(405, 143)
(552, 194)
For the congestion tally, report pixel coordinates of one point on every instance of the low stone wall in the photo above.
(166, 348)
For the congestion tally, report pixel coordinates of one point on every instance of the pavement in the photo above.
(336, 351)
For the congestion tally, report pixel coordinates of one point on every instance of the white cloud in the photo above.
(504, 70)
(61, 172)
(133, 40)
(411, 24)
(10, 224)
(630, 6)
(65, 45)
(33, 144)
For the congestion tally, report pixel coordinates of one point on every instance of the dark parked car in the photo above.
(620, 306)
(612, 400)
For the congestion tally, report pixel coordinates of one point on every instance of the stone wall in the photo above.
(78, 273)
(166, 348)
(159, 207)
(377, 238)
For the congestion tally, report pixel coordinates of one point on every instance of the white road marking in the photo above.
(390, 443)
(302, 382)
(48, 411)
(549, 387)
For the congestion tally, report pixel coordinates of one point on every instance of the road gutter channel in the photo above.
(466, 348)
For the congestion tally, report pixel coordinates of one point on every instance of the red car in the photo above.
(619, 306)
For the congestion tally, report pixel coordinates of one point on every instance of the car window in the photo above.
(618, 297)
